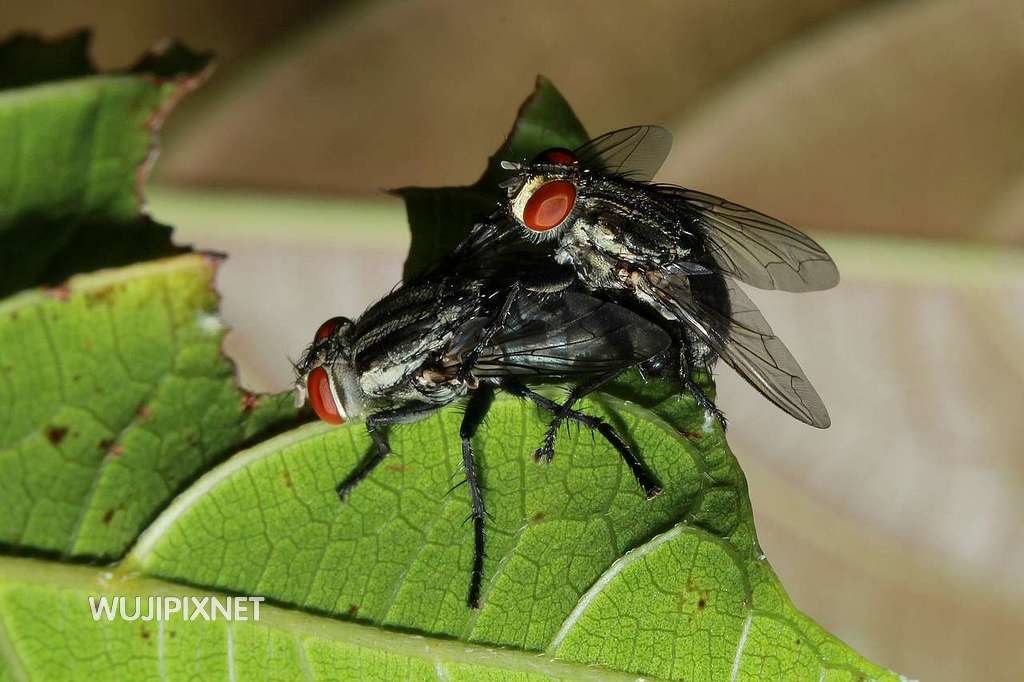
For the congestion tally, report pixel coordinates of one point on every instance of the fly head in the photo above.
(542, 195)
(326, 377)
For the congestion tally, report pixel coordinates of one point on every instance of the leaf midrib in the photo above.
(300, 623)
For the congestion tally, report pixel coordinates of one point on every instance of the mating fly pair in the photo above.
(440, 338)
(589, 269)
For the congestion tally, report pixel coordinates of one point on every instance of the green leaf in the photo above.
(283, 645)
(440, 217)
(77, 146)
(115, 395)
(581, 568)
(120, 414)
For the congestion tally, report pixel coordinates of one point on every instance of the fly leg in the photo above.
(647, 481)
(476, 410)
(375, 426)
(686, 365)
(489, 331)
(547, 450)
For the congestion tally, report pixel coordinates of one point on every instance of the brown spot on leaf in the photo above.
(143, 411)
(691, 436)
(397, 468)
(107, 516)
(144, 633)
(537, 517)
(353, 610)
(703, 598)
(287, 478)
(100, 295)
(249, 401)
(55, 434)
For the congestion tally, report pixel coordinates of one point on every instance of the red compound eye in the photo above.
(327, 328)
(321, 397)
(549, 205)
(558, 157)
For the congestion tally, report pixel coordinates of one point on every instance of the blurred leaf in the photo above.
(440, 217)
(27, 59)
(78, 150)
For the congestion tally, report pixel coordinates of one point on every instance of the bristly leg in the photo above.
(375, 425)
(703, 401)
(687, 364)
(644, 477)
(476, 410)
(546, 451)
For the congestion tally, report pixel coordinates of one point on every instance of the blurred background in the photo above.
(892, 131)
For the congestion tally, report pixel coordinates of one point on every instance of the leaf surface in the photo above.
(115, 395)
(581, 569)
(121, 426)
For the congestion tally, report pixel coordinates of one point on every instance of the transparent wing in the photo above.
(745, 341)
(491, 248)
(570, 333)
(754, 248)
(495, 250)
(634, 153)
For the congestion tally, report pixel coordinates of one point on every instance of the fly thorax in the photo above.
(379, 379)
(567, 251)
(592, 251)
(598, 270)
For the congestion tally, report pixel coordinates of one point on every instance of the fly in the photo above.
(440, 339)
(672, 252)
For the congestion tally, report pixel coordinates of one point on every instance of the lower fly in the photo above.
(441, 339)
